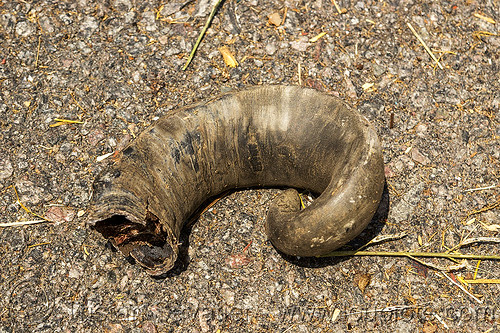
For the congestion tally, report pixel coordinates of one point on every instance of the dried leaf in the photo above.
(363, 281)
(472, 220)
(229, 58)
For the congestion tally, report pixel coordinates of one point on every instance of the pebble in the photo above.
(148, 21)
(300, 45)
(60, 214)
(89, 25)
(350, 89)
(271, 48)
(378, 70)
(149, 327)
(417, 156)
(8, 21)
(30, 194)
(228, 295)
(402, 210)
(6, 168)
(25, 29)
(46, 24)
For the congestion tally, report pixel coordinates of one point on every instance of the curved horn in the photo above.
(265, 136)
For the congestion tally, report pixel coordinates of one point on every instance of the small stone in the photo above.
(66, 63)
(275, 19)
(31, 194)
(249, 302)
(403, 209)
(7, 21)
(89, 25)
(378, 70)
(149, 327)
(300, 45)
(25, 29)
(95, 136)
(46, 24)
(388, 172)
(130, 17)
(6, 168)
(75, 272)
(258, 62)
(418, 157)
(123, 5)
(164, 39)
(350, 89)
(238, 260)
(271, 48)
(60, 214)
(420, 129)
(148, 21)
(228, 295)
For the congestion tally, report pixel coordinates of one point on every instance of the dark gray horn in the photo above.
(283, 136)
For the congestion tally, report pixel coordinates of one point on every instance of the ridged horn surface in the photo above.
(265, 136)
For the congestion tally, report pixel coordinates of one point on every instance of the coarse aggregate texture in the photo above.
(116, 67)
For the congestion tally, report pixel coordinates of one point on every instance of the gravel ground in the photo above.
(116, 66)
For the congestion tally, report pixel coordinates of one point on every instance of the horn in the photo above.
(272, 136)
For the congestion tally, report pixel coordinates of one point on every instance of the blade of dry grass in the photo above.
(424, 45)
(21, 223)
(411, 254)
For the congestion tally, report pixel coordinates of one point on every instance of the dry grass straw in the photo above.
(411, 254)
(27, 210)
(424, 45)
